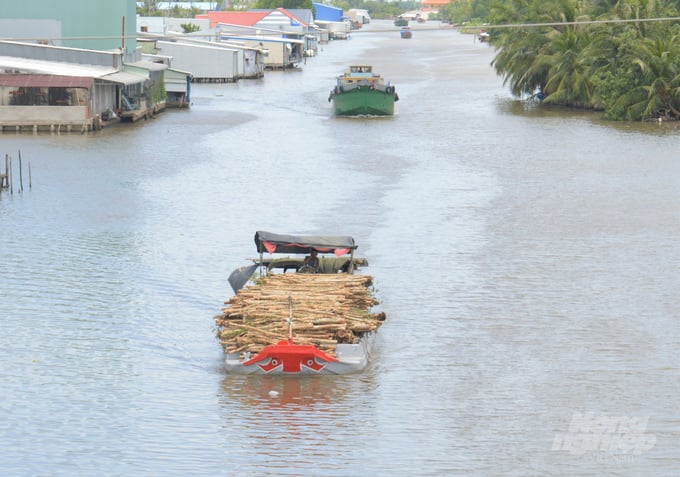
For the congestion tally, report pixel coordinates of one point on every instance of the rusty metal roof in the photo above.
(45, 81)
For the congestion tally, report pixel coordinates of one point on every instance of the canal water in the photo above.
(526, 258)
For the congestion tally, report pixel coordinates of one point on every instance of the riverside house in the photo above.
(73, 65)
(45, 87)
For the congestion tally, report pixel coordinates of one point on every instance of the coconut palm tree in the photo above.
(568, 76)
(523, 56)
(516, 62)
(657, 61)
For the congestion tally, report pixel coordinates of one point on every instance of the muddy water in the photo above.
(527, 260)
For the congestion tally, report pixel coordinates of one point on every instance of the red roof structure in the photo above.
(45, 81)
(432, 5)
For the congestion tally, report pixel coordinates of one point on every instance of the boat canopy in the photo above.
(360, 69)
(277, 243)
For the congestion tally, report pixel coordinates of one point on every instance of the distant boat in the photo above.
(360, 91)
(406, 32)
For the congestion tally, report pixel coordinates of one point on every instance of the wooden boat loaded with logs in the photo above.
(299, 315)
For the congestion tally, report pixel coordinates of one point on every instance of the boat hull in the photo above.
(285, 358)
(362, 101)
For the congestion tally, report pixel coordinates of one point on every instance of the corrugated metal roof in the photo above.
(123, 78)
(45, 81)
(149, 65)
(282, 19)
(323, 6)
(303, 15)
(22, 65)
(16, 64)
(263, 39)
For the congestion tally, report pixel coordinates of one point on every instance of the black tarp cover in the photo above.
(278, 243)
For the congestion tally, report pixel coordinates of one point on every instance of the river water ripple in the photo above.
(527, 260)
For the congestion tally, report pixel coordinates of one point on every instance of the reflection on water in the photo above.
(291, 393)
(291, 422)
(525, 258)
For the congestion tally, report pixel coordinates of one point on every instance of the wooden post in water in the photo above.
(11, 182)
(5, 177)
(21, 176)
(30, 180)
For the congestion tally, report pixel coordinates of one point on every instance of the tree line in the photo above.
(376, 8)
(617, 57)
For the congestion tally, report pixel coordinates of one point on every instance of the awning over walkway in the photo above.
(124, 78)
(148, 65)
(71, 70)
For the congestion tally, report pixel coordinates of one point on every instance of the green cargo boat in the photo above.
(361, 92)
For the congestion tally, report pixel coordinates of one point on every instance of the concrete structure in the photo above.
(281, 53)
(39, 102)
(333, 30)
(170, 25)
(87, 24)
(250, 60)
(204, 62)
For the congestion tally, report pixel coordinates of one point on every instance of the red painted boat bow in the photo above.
(291, 357)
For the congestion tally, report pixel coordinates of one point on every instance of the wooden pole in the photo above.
(11, 182)
(30, 180)
(21, 176)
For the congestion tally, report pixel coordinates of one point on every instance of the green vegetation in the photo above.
(628, 70)
(377, 9)
(190, 27)
(175, 12)
(465, 11)
(288, 4)
(624, 66)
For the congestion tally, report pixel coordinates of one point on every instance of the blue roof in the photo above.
(327, 12)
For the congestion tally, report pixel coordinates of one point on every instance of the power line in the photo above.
(580, 22)
(375, 30)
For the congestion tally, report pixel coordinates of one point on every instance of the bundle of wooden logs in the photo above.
(318, 309)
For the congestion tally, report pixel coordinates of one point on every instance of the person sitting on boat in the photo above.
(311, 263)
